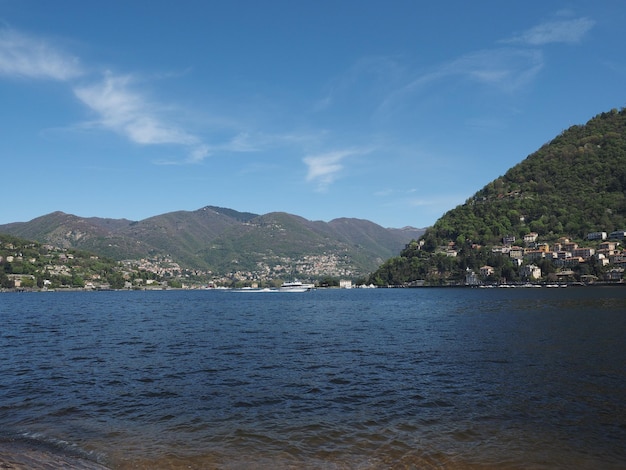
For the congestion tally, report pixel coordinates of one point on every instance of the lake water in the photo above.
(355, 379)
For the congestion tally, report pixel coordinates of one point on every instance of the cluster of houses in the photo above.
(564, 255)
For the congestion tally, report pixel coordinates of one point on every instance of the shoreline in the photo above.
(519, 285)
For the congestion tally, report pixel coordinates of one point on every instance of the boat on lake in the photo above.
(254, 289)
(293, 286)
(296, 286)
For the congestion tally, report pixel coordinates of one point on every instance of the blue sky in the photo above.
(391, 111)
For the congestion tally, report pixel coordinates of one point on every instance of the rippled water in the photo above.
(401, 378)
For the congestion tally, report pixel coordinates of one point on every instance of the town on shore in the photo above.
(564, 256)
(29, 266)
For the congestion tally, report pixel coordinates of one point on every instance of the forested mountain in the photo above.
(570, 187)
(227, 242)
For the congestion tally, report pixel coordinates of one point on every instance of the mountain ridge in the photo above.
(224, 241)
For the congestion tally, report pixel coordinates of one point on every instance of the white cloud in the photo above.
(127, 112)
(117, 105)
(324, 168)
(123, 110)
(199, 153)
(25, 56)
(564, 31)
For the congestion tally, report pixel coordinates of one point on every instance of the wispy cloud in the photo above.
(114, 99)
(324, 169)
(23, 56)
(124, 110)
(564, 31)
(377, 73)
(505, 69)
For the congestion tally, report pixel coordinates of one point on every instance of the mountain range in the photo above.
(224, 241)
(572, 186)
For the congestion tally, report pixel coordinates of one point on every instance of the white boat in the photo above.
(254, 289)
(296, 286)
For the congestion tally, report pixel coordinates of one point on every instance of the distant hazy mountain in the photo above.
(224, 240)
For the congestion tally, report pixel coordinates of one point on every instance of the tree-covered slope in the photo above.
(574, 185)
(278, 238)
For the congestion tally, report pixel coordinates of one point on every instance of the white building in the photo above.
(530, 237)
(471, 279)
(486, 271)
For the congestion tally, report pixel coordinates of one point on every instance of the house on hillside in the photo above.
(570, 246)
(508, 239)
(516, 252)
(569, 261)
(597, 236)
(566, 275)
(615, 274)
(561, 243)
(618, 235)
(530, 271)
(486, 271)
(543, 247)
(607, 248)
(584, 253)
(471, 279)
(533, 255)
(530, 237)
(619, 260)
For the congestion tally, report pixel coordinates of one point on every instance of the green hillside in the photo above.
(286, 244)
(30, 265)
(570, 187)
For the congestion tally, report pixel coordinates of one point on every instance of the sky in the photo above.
(391, 111)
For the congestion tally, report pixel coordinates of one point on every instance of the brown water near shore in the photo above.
(21, 456)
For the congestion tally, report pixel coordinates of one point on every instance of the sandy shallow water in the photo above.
(21, 456)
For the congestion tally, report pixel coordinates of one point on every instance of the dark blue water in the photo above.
(393, 378)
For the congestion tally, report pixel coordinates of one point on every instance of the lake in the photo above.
(338, 379)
